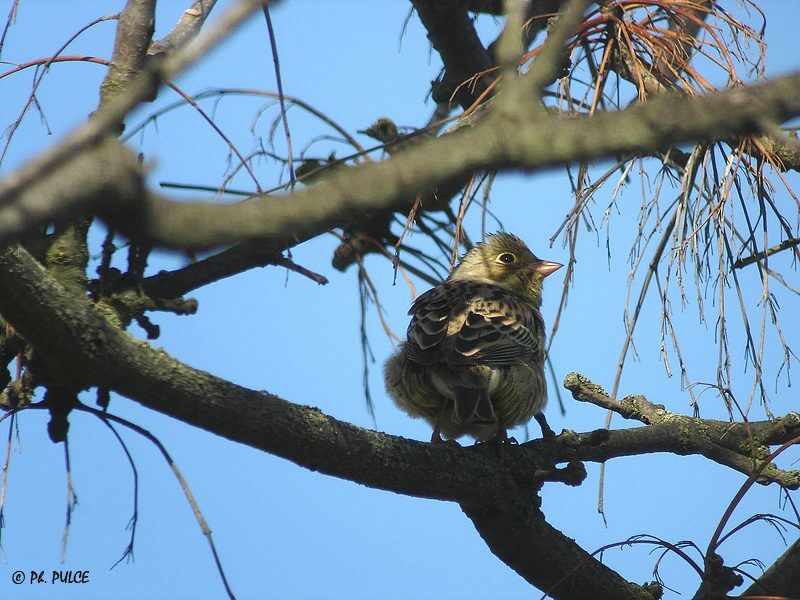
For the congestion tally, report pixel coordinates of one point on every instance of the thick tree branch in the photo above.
(106, 176)
(135, 27)
(68, 254)
(80, 347)
(85, 349)
(490, 7)
(517, 534)
(529, 143)
(525, 141)
(453, 35)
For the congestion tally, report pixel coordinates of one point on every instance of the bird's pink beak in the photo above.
(545, 267)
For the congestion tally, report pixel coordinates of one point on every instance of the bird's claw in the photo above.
(437, 439)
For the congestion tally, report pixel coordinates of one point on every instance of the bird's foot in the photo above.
(499, 441)
(436, 438)
(501, 437)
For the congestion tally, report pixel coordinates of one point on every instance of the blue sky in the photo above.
(282, 531)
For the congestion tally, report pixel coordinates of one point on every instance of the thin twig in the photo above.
(6, 464)
(784, 245)
(44, 62)
(108, 117)
(12, 14)
(32, 97)
(72, 501)
(273, 44)
(178, 475)
(127, 555)
(292, 266)
(219, 131)
(715, 540)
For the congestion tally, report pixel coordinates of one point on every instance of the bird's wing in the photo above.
(472, 323)
(430, 317)
(498, 330)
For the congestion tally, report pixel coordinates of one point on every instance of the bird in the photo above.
(473, 360)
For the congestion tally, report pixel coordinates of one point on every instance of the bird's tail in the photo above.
(471, 403)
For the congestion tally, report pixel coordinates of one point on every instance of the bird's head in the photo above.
(505, 261)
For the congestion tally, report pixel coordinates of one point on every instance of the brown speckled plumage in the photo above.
(473, 360)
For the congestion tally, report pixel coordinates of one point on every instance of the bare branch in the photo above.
(550, 60)
(784, 245)
(735, 445)
(106, 119)
(186, 29)
(58, 324)
(517, 534)
(135, 26)
(452, 33)
(493, 143)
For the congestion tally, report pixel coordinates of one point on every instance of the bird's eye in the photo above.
(507, 258)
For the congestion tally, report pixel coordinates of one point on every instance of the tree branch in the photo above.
(81, 348)
(106, 119)
(529, 142)
(494, 143)
(453, 35)
(186, 29)
(517, 534)
(550, 60)
(740, 446)
(229, 262)
(784, 245)
(782, 578)
(135, 27)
